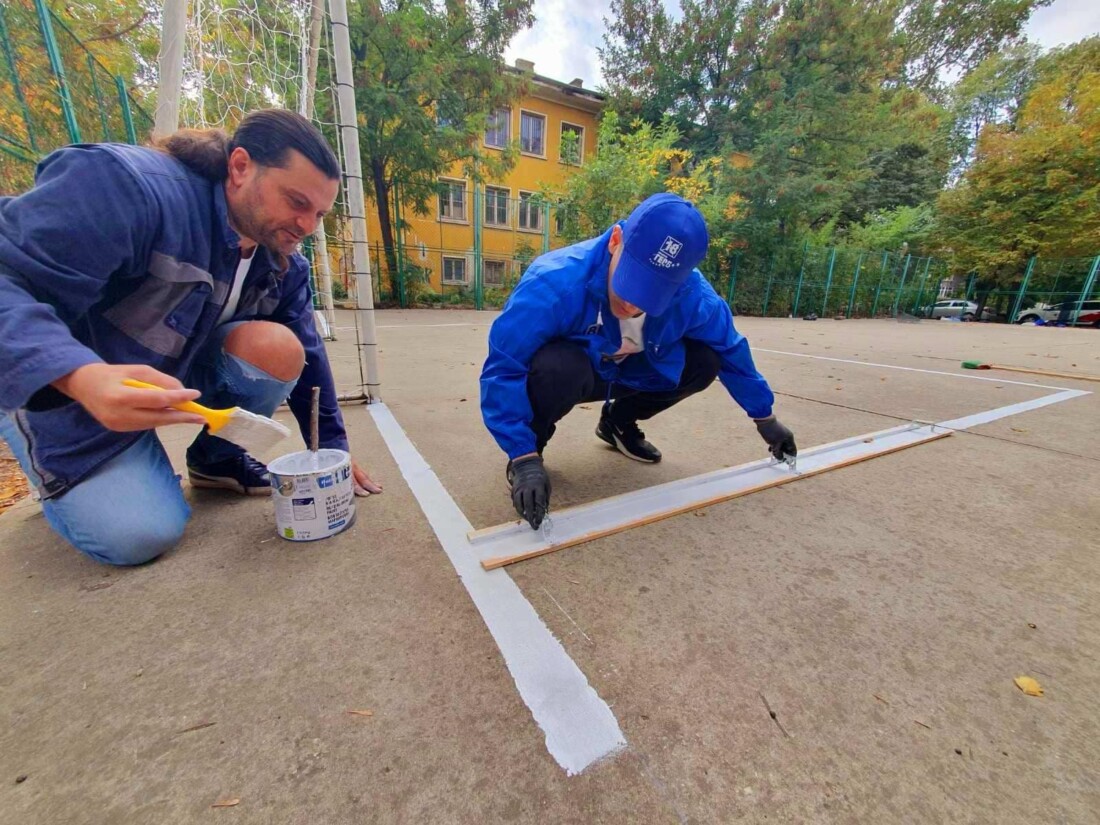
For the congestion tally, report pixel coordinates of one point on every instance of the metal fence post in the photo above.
(733, 279)
(479, 280)
(127, 117)
(58, 68)
(768, 293)
(828, 282)
(545, 227)
(16, 85)
(1090, 282)
(801, 275)
(923, 281)
(1022, 290)
(855, 283)
(901, 286)
(878, 287)
(400, 285)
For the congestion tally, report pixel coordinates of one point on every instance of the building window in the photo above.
(499, 131)
(572, 143)
(532, 133)
(452, 200)
(493, 272)
(496, 206)
(454, 270)
(530, 212)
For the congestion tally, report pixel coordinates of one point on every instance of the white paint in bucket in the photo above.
(314, 494)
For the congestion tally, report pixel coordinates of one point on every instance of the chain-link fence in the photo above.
(53, 92)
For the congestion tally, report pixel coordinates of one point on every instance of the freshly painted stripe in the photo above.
(970, 376)
(584, 522)
(968, 421)
(579, 726)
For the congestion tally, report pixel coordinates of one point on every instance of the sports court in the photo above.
(841, 648)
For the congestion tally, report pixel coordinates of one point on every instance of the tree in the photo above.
(693, 71)
(428, 76)
(1033, 188)
(955, 36)
(627, 168)
(992, 92)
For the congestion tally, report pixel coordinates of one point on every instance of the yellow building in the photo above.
(485, 234)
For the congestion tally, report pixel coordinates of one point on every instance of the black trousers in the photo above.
(561, 376)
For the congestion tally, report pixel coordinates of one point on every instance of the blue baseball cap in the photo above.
(664, 239)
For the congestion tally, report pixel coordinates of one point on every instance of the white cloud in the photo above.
(1063, 22)
(563, 42)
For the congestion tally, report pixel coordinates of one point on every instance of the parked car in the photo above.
(1048, 313)
(957, 308)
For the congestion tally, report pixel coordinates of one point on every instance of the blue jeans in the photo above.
(132, 509)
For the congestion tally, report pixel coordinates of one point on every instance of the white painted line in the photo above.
(421, 326)
(619, 512)
(966, 422)
(906, 369)
(672, 497)
(579, 726)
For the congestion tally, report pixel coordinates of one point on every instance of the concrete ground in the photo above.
(880, 611)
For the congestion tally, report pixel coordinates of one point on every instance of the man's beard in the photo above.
(250, 223)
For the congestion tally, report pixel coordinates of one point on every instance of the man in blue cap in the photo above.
(625, 318)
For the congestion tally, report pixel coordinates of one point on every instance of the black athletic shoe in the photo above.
(627, 439)
(243, 474)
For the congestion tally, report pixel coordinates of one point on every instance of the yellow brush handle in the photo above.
(215, 418)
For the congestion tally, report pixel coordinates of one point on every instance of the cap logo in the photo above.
(665, 257)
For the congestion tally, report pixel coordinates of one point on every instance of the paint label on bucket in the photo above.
(313, 494)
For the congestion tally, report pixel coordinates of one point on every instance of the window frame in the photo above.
(580, 144)
(508, 130)
(520, 203)
(507, 224)
(503, 272)
(451, 183)
(545, 123)
(443, 270)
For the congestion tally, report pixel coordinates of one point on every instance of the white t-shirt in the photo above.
(633, 340)
(235, 291)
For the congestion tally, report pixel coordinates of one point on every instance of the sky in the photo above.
(564, 40)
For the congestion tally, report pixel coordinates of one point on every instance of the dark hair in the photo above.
(267, 135)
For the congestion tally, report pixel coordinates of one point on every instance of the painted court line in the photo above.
(579, 726)
(906, 369)
(495, 545)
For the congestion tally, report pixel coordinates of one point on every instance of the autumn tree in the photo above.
(428, 76)
(1033, 188)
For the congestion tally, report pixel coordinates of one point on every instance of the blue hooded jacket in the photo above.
(123, 255)
(563, 295)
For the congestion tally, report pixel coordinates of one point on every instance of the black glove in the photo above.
(780, 439)
(530, 489)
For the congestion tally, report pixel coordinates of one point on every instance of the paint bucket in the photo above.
(314, 494)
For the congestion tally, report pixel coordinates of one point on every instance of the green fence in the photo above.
(53, 92)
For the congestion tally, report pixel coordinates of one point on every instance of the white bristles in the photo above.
(256, 433)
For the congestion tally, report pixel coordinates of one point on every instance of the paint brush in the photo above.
(255, 433)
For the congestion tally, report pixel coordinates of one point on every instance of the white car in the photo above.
(957, 308)
(1090, 313)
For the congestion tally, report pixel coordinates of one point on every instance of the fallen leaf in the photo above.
(880, 698)
(361, 712)
(1017, 430)
(1028, 685)
(917, 721)
(1032, 625)
(868, 440)
(700, 513)
(19, 780)
(226, 803)
(585, 407)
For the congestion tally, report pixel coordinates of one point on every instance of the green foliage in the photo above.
(628, 167)
(1033, 188)
(428, 75)
(890, 228)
